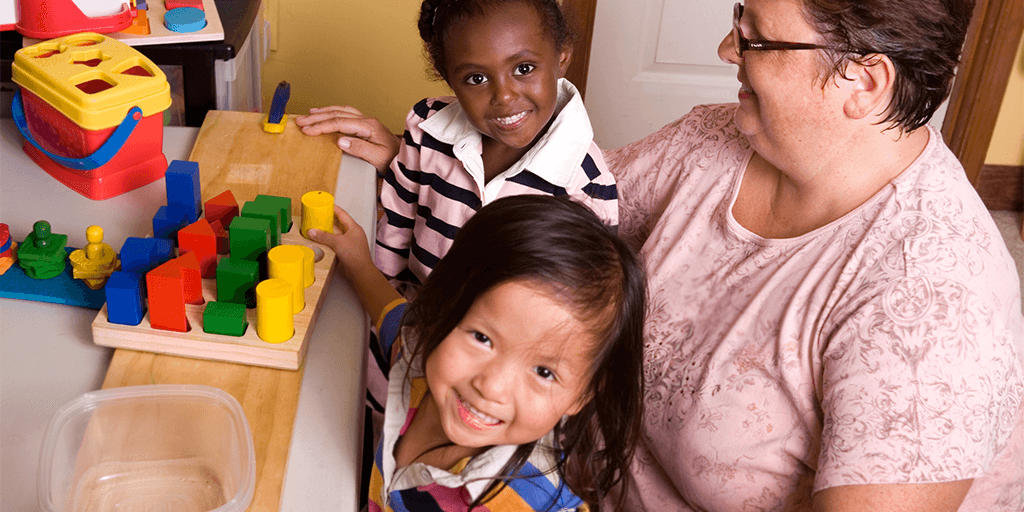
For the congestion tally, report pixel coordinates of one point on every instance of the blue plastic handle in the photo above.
(100, 157)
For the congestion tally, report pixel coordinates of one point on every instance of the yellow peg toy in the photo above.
(96, 261)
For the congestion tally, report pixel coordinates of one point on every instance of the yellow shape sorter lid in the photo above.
(92, 79)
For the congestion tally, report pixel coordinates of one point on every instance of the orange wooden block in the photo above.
(188, 266)
(166, 292)
(140, 24)
(201, 239)
(221, 208)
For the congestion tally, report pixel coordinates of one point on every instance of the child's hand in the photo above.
(362, 136)
(348, 241)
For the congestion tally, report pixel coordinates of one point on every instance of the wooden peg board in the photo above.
(247, 349)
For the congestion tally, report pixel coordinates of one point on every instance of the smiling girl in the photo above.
(516, 372)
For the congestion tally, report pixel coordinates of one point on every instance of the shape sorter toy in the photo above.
(204, 304)
(91, 111)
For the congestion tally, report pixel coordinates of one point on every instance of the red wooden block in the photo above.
(223, 240)
(222, 208)
(167, 298)
(188, 266)
(174, 4)
(200, 238)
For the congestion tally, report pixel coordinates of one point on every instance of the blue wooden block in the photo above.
(125, 294)
(62, 289)
(140, 255)
(168, 220)
(183, 190)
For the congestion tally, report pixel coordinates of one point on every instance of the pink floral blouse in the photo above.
(885, 347)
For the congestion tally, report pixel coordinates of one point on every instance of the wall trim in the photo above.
(1001, 187)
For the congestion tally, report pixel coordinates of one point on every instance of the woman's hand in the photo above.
(361, 135)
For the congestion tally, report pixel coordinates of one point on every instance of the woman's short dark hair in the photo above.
(564, 248)
(922, 38)
(437, 17)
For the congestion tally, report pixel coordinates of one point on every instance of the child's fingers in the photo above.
(378, 155)
(343, 220)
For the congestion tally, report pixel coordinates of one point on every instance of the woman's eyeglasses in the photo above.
(743, 44)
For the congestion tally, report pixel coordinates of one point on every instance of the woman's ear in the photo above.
(564, 58)
(871, 88)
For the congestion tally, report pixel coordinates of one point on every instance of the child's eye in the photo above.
(544, 373)
(482, 338)
(524, 69)
(476, 79)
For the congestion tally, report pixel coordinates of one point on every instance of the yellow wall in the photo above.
(367, 54)
(1007, 146)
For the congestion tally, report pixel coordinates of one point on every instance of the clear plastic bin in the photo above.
(181, 448)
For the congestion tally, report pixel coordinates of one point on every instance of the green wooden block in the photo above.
(236, 281)
(249, 237)
(284, 204)
(225, 318)
(272, 213)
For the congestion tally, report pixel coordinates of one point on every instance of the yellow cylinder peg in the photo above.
(274, 320)
(317, 212)
(308, 266)
(285, 262)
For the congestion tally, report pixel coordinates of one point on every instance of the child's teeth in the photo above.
(483, 417)
(511, 119)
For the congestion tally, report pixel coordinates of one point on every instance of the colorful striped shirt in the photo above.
(420, 487)
(436, 183)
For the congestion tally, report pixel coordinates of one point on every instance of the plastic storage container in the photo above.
(181, 448)
(91, 111)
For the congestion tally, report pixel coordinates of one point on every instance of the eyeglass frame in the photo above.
(742, 44)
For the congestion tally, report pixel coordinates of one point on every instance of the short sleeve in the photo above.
(921, 383)
(389, 326)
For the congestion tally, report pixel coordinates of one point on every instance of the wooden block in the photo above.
(224, 318)
(222, 208)
(249, 237)
(191, 277)
(167, 220)
(246, 349)
(223, 242)
(166, 293)
(182, 181)
(125, 304)
(284, 206)
(140, 255)
(199, 238)
(236, 281)
(261, 210)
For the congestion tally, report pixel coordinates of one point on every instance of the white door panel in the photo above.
(652, 61)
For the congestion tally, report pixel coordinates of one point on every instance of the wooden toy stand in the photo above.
(246, 349)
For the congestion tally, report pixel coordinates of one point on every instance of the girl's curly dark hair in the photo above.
(437, 17)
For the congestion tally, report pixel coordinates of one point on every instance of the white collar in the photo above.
(555, 157)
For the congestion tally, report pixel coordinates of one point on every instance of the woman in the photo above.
(836, 323)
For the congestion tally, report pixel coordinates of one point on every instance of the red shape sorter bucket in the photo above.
(91, 111)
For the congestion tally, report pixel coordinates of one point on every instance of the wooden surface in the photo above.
(245, 349)
(234, 153)
(269, 398)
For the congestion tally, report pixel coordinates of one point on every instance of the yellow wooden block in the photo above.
(274, 322)
(286, 262)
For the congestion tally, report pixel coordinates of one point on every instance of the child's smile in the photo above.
(504, 68)
(516, 364)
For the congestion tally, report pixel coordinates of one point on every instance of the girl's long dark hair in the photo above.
(562, 246)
